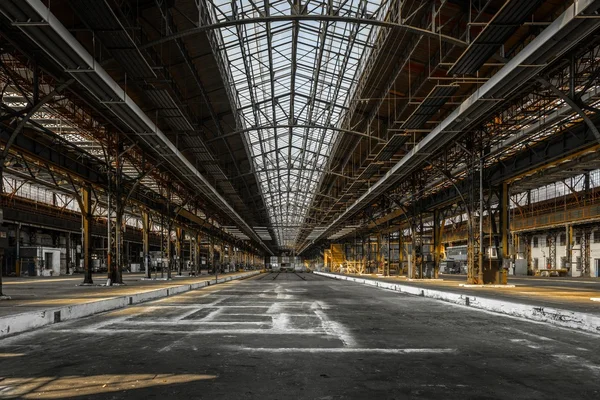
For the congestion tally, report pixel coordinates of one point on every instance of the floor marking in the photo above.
(348, 350)
(191, 322)
(467, 285)
(543, 338)
(576, 361)
(333, 328)
(527, 343)
(298, 332)
(171, 345)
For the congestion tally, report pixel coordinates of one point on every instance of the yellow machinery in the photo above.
(335, 258)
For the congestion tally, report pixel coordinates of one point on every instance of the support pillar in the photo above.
(168, 251)
(378, 255)
(437, 243)
(229, 256)
(551, 240)
(86, 235)
(179, 235)
(400, 251)
(192, 260)
(146, 242)
(527, 238)
(198, 259)
(505, 232)
(222, 256)
(67, 253)
(389, 255)
(569, 247)
(211, 254)
(18, 251)
(585, 251)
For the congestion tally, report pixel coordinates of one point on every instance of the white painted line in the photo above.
(424, 279)
(348, 350)
(333, 328)
(467, 285)
(158, 323)
(104, 332)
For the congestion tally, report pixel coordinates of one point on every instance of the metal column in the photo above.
(86, 234)
(569, 246)
(585, 251)
(179, 235)
(198, 260)
(505, 222)
(146, 242)
(437, 242)
(68, 253)
(18, 250)
(551, 241)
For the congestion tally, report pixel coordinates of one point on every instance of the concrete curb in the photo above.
(555, 316)
(27, 321)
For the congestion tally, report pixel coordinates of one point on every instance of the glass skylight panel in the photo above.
(286, 73)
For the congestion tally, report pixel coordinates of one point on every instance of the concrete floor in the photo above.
(291, 336)
(572, 294)
(43, 293)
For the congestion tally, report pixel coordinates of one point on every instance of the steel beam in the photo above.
(573, 104)
(124, 107)
(235, 22)
(547, 46)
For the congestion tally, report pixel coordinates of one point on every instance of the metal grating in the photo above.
(391, 147)
(371, 170)
(435, 100)
(506, 21)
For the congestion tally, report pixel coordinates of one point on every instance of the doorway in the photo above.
(48, 260)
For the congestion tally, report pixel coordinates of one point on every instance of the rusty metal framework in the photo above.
(530, 116)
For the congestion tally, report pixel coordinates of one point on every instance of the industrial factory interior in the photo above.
(300, 199)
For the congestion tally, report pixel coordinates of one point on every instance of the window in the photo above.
(535, 241)
(596, 236)
(563, 239)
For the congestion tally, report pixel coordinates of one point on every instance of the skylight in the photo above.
(293, 78)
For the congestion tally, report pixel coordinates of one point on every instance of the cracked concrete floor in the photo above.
(299, 336)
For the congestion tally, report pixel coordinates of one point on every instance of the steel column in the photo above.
(86, 236)
(146, 241)
(438, 226)
(179, 235)
(569, 246)
(551, 239)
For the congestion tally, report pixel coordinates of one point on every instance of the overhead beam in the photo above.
(53, 38)
(299, 126)
(549, 45)
(306, 18)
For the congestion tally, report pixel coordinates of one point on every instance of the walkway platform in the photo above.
(36, 302)
(561, 301)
